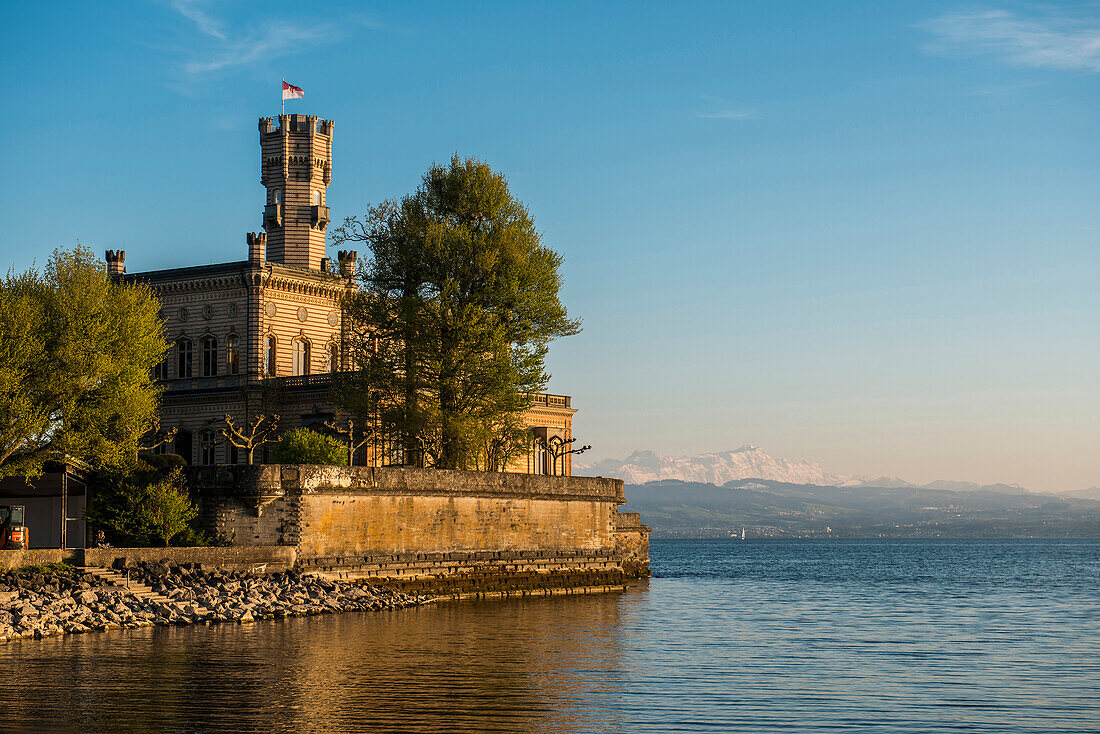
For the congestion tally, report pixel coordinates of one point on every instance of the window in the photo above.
(209, 357)
(234, 454)
(160, 369)
(232, 356)
(269, 356)
(300, 361)
(317, 198)
(183, 358)
(183, 444)
(277, 196)
(206, 443)
(333, 357)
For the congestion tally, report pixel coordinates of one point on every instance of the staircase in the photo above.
(134, 587)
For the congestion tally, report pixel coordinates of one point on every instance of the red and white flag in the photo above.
(292, 92)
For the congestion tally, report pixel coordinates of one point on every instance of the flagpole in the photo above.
(283, 96)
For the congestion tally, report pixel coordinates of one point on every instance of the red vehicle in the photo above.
(13, 533)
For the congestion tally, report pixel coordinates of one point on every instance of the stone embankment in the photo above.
(68, 600)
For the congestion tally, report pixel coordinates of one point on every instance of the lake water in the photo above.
(752, 636)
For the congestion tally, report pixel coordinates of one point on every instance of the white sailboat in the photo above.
(742, 532)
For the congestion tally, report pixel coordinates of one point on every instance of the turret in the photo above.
(116, 262)
(347, 260)
(296, 169)
(257, 247)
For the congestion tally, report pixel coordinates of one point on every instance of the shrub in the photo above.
(140, 505)
(303, 446)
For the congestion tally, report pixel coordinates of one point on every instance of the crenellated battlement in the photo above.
(296, 124)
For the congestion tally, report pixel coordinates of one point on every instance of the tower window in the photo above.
(317, 198)
(333, 357)
(269, 357)
(232, 356)
(209, 357)
(183, 358)
(300, 361)
(277, 196)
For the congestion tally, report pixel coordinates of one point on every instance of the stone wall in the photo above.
(356, 518)
(632, 543)
(233, 558)
(10, 559)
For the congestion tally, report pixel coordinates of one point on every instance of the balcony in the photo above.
(273, 216)
(551, 401)
(318, 216)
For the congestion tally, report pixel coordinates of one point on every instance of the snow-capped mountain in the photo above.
(747, 462)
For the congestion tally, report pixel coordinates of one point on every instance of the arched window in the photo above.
(333, 357)
(232, 355)
(160, 369)
(269, 357)
(300, 360)
(183, 358)
(277, 196)
(209, 356)
(317, 198)
(206, 444)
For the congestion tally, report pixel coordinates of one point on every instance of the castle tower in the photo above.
(296, 167)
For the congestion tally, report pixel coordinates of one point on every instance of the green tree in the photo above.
(457, 306)
(165, 508)
(138, 504)
(303, 446)
(76, 353)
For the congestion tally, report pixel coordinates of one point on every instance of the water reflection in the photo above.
(530, 665)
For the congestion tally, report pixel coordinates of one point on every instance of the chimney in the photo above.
(116, 262)
(347, 262)
(257, 247)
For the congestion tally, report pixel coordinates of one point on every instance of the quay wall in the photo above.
(406, 525)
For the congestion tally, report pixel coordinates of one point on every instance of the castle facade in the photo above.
(262, 335)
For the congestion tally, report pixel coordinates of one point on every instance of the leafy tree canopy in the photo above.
(457, 305)
(303, 446)
(76, 353)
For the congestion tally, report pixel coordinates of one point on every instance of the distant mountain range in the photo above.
(716, 495)
(767, 508)
(752, 462)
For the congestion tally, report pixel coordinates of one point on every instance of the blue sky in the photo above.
(859, 233)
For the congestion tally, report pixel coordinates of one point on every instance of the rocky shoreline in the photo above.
(67, 600)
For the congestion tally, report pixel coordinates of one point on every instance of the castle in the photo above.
(262, 335)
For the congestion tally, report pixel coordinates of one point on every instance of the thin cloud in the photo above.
(220, 48)
(1056, 41)
(722, 109)
(729, 115)
(193, 10)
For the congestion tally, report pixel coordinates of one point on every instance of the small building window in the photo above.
(234, 454)
(209, 357)
(317, 198)
(300, 361)
(183, 358)
(333, 357)
(232, 356)
(269, 357)
(206, 443)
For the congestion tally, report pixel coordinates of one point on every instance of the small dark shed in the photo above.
(61, 492)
